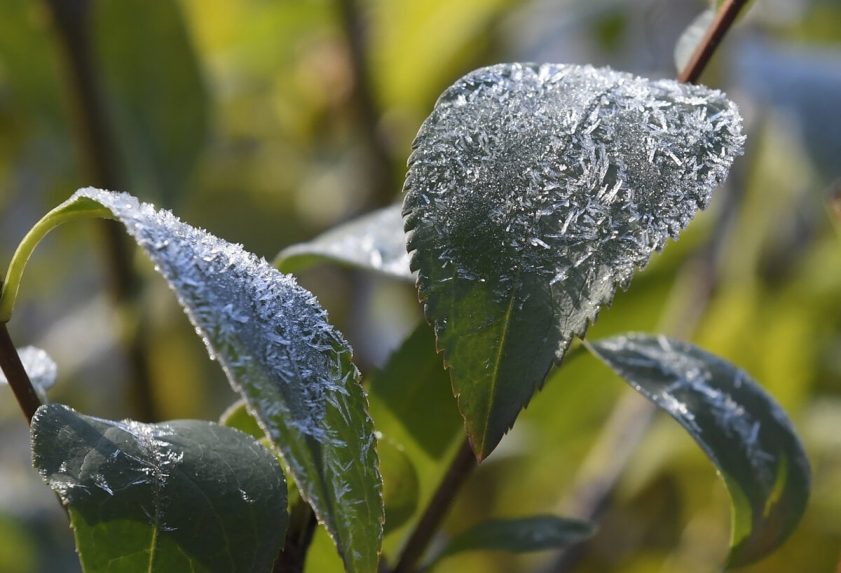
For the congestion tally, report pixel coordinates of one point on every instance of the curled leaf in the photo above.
(741, 429)
(278, 351)
(374, 242)
(533, 193)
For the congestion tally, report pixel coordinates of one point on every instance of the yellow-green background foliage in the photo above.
(253, 119)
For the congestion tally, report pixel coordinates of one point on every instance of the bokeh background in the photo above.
(269, 121)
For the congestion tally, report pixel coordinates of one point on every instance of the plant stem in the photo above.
(16, 376)
(724, 19)
(367, 107)
(71, 19)
(460, 468)
(302, 523)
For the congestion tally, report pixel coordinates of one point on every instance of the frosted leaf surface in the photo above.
(281, 355)
(187, 495)
(39, 367)
(741, 429)
(533, 193)
(374, 242)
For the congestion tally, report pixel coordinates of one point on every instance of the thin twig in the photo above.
(367, 106)
(460, 468)
(302, 523)
(71, 19)
(16, 376)
(724, 19)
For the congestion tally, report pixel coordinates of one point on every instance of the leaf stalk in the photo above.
(463, 464)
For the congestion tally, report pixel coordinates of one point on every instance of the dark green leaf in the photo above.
(414, 387)
(400, 484)
(187, 495)
(373, 242)
(279, 352)
(154, 91)
(521, 535)
(534, 192)
(741, 429)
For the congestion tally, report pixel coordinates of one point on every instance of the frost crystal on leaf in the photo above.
(534, 191)
(279, 352)
(742, 430)
(197, 496)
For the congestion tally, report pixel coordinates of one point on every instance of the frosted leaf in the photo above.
(187, 495)
(39, 367)
(374, 241)
(278, 351)
(741, 429)
(533, 192)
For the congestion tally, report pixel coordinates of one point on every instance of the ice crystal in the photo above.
(555, 183)
(279, 352)
(743, 431)
(201, 490)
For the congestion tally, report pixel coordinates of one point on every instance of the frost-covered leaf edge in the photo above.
(72, 492)
(355, 244)
(743, 551)
(91, 202)
(410, 219)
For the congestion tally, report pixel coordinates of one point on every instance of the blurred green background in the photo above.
(269, 121)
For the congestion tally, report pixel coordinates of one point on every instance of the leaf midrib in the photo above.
(497, 362)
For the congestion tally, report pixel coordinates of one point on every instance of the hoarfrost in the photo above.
(742, 430)
(278, 351)
(535, 169)
(189, 480)
(554, 182)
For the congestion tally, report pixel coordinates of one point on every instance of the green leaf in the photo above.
(373, 242)
(533, 193)
(278, 351)
(741, 429)
(186, 495)
(400, 484)
(400, 480)
(521, 535)
(414, 387)
(154, 90)
(40, 368)
(691, 37)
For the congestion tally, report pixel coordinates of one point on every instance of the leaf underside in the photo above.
(741, 429)
(373, 242)
(533, 193)
(186, 495)
(281, 355)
